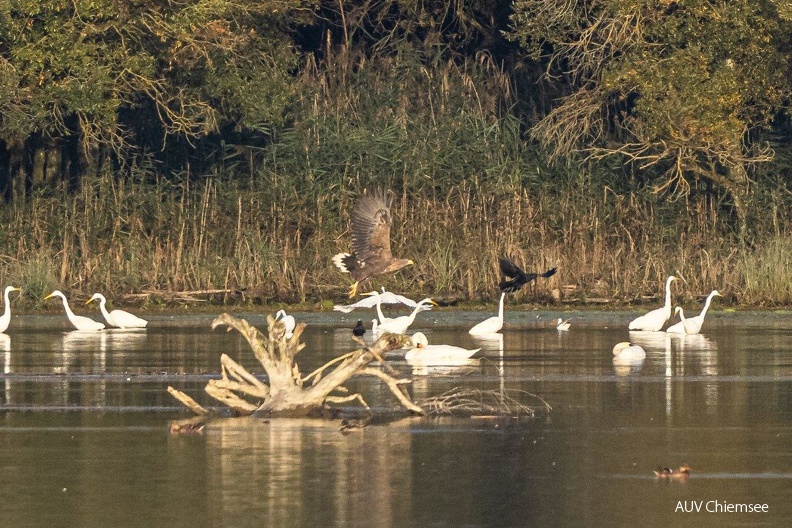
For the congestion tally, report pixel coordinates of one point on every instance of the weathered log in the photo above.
(285, 393)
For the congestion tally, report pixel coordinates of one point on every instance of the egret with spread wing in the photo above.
(371, 250)
(517, 277)
(385, 297)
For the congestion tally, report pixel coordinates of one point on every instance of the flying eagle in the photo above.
(517, 277)
(371, 251)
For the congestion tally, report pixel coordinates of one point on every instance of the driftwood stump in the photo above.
(287, 392)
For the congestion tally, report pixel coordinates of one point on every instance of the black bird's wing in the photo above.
(515, 275)
(509, 268)
(518, 278)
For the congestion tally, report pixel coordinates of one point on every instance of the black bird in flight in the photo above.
(517, 277)
(359, 329)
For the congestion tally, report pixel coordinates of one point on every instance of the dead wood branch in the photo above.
(470, 402)
(284, 393)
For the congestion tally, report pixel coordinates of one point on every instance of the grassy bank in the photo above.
(274, 242)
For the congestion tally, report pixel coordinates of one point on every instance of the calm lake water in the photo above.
(84, 435)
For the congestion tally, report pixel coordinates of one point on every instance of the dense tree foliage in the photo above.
(685, 89)
(484, 111)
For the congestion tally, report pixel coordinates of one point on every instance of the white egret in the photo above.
(562, 325)
(5, 320)
(425, 353)
(117, 318)
(692, 325)
(491, 325)
(288, 321)
(654, 320)
(626, 350)
(80, 322)
(378, 304)
(385, 297)
(678, 328)
(399, 325)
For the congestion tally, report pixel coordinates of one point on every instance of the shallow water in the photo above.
(84, 438)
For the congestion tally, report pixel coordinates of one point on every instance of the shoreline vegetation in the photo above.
(273, 244)
(223, 148)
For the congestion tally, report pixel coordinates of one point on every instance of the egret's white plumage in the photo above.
(678, 328)
(424, 353)
(377, 299)
(692, 325)
(654, 320)
(562, 325)
(491, 325)
(385, 297)
(5, 320)
(117, 318)
(288, 321)
(625, 350)
(399, 325)
(79, 322)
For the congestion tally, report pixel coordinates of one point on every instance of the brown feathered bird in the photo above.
(371, 251)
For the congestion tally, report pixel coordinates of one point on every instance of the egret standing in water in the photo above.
(654, 320)
(371, 249)
(491, 325)
(117, 318)
(692, 325)
(5, 320)
(399, 325)
(85, 324)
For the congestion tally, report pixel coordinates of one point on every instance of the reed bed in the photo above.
(467, 188)
(121, 237)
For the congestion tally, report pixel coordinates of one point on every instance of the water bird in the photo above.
(117, 318)
(423, 352)
(517, 277)
(385, 297)
(371, 249)
(399, 325)
(378, 304)
(288, 321)
(85, 324)
(359, 329)
(654, 320)
(5, 320)
(562, 325)
(626, 350)
(692, 325)
(491, 325)
(682, 473)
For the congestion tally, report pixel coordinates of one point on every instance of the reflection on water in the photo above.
(720, 402)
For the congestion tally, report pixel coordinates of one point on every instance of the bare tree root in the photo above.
(285, 393)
